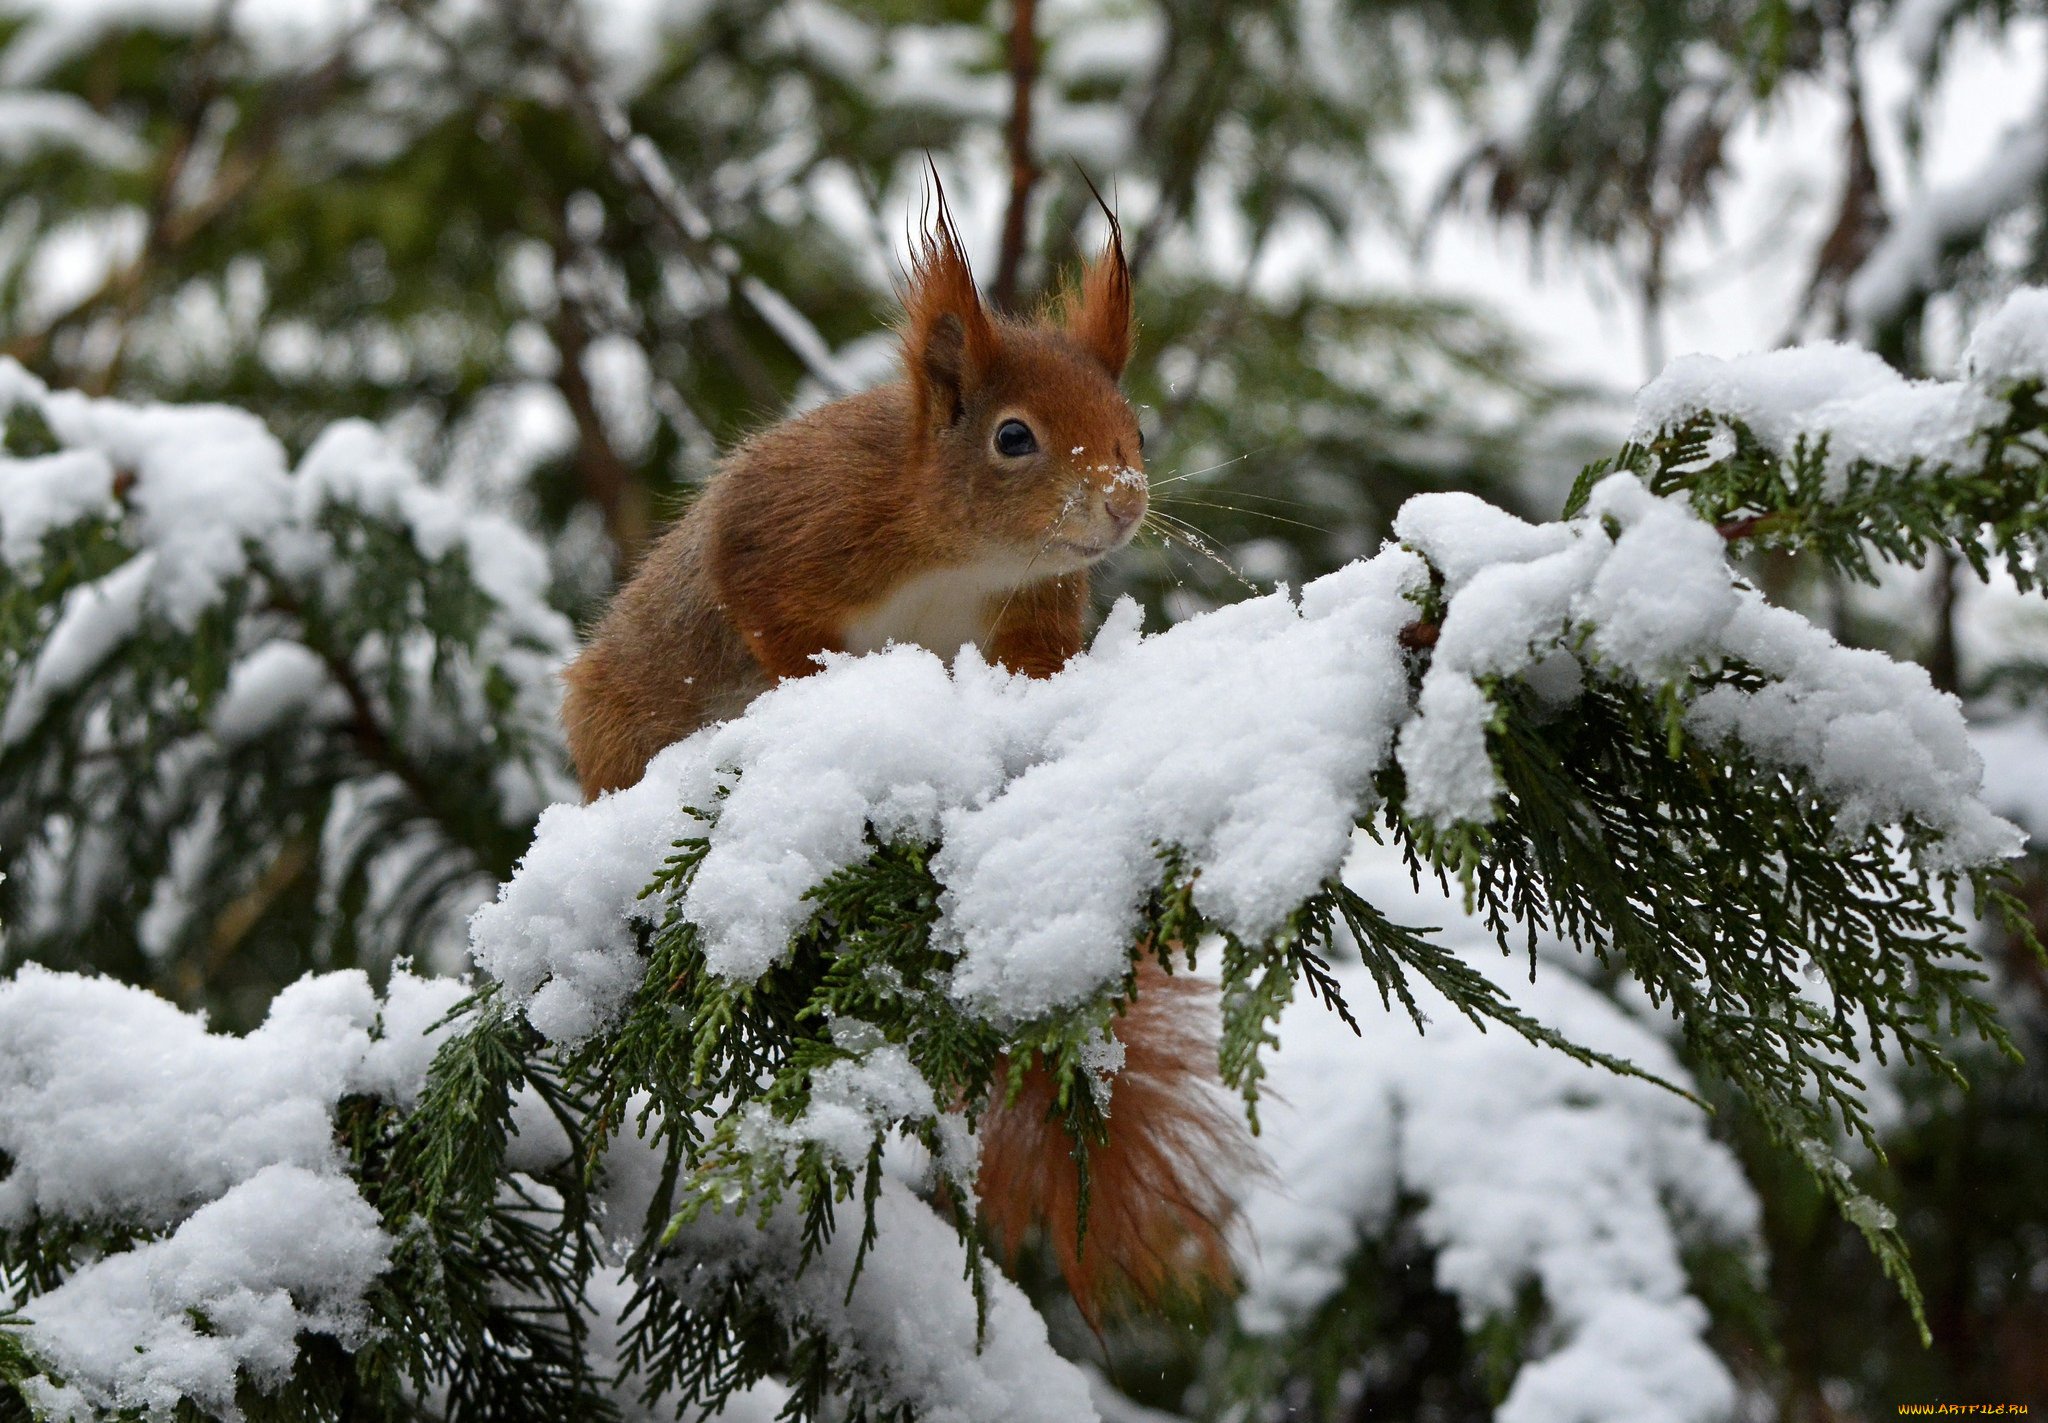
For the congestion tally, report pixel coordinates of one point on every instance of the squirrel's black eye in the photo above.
(1014, 439)
(1141, 439)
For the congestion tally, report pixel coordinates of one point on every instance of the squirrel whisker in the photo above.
(1209, 469)
(1193, 539)
(1220, 490)
(1254, 513)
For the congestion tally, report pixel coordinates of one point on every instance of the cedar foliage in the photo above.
(340, 241)
(1718, 884)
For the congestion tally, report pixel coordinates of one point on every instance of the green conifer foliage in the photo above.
(1716, 878)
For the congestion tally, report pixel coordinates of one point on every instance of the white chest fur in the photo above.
(941, 610)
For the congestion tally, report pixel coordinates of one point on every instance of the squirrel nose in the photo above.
(1125, 505)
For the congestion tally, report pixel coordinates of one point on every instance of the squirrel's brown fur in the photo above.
(892, 515)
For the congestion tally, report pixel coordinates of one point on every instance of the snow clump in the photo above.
(908, 1321)
(1532, 1169)
(1250, 738)
(118, 1109)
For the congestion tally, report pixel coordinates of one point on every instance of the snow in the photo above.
(1051, 797)
(850, 1102)
(115, 1105)
(610, 1293)
(354, 465)
(46, 493)
(276, 681)
(1906, 262)
(1867, 411)
(411, 1027)
(209, 482)
(284, 1252)
(171, 901)
(34, 122)
(1661, 596)
(908, 1326)
(1065, 781)
(1467, 534)
(559, 937)
(1088, 44)
(1917, 25)
(1443, 752)
(1260, 791)
(2011, 344)
(1626, 1362)
(1876, 737)
(118, 1109)
(1115, 1408)
(829, 36)
(1529, 1168)
(208, 507)
(91, 625)
(574, 951)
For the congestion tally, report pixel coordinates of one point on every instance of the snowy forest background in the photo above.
(560, 256)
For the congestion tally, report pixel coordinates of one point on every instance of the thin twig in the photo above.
(172, 229)
(608, 478)
(636, 161)
(1023, 170)
(1746, 526)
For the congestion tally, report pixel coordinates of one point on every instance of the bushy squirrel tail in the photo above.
(1161, 1190)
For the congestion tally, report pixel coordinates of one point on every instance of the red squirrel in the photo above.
(963, 503)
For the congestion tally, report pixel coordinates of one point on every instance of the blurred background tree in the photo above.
(563, 254)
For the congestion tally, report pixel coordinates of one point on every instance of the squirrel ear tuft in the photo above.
(1098, 314)
(948, 340)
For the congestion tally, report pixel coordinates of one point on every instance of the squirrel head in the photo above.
(1021, 430)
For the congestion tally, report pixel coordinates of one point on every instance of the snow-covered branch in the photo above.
(745, 1020)
(231, 683)
(206, 1169)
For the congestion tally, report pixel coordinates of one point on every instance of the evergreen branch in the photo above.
(1990, 508)
(1781, 951)
(637, 164)
(1387, 948)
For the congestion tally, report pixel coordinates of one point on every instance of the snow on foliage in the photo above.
(1866, 410)
(114, 1105)
(117, 1109)
(1252, 741)
(226, 1294)
(1529, 1168)
(1051, 796)
(208, 484)
(610, 1296)
(205, 493)
(1069, 781)
(175, 583)
(2011, 344)
(852, 1101)
(559, 939)
(1649, 599)
(1906, 264)
(906, 1327)
(35, 122)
